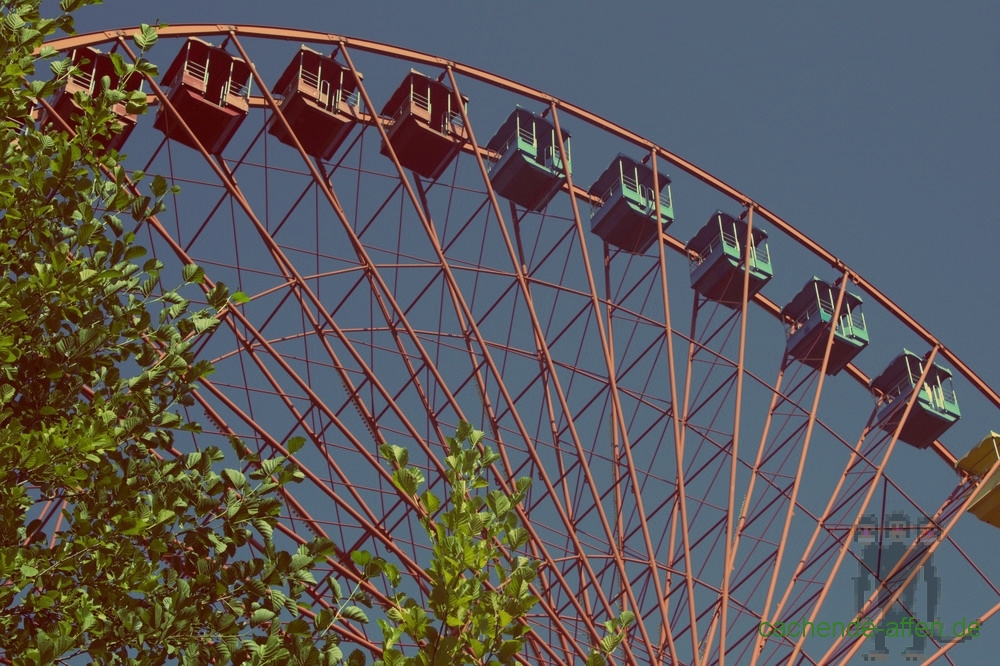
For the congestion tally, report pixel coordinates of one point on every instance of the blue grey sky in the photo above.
(871, 126)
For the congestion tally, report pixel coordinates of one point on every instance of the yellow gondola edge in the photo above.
(978, 462)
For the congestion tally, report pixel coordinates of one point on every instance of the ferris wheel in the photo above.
(722, 421)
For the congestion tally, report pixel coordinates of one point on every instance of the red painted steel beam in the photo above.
(287, 34)
(464, 312)
(668, 329)
(910, 403)
(783, 540)
(613, 387)
(519, 270)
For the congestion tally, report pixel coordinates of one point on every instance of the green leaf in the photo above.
(464, 431)
(408, 479)
(498, 502)
(218, 296)
(397, 455)
(192, 272)
(158, 186)
(118, 62)
(361, 557)
(294, 444)
(146, 37)
(267, 467)
(430, 501)
(262, 615)
(394, 657)
(204, 323)
(144, 66)
(13, 21)
(354, 613)
(335, 589)
(299, 627)
(508, 649)
(264, 527)
(235, 477)
(391, 572)
(258, 587)
(522, 485)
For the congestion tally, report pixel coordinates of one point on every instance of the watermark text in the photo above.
(907, 626)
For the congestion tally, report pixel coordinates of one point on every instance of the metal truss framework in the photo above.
(678, 473)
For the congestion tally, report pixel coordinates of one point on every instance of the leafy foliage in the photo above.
(112, 546)
(479, 598)
(480, 591)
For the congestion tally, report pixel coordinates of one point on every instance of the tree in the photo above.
(478, 599)
(112, 546)
(480, 589)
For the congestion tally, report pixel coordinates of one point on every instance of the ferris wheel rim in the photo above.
(381, 48)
